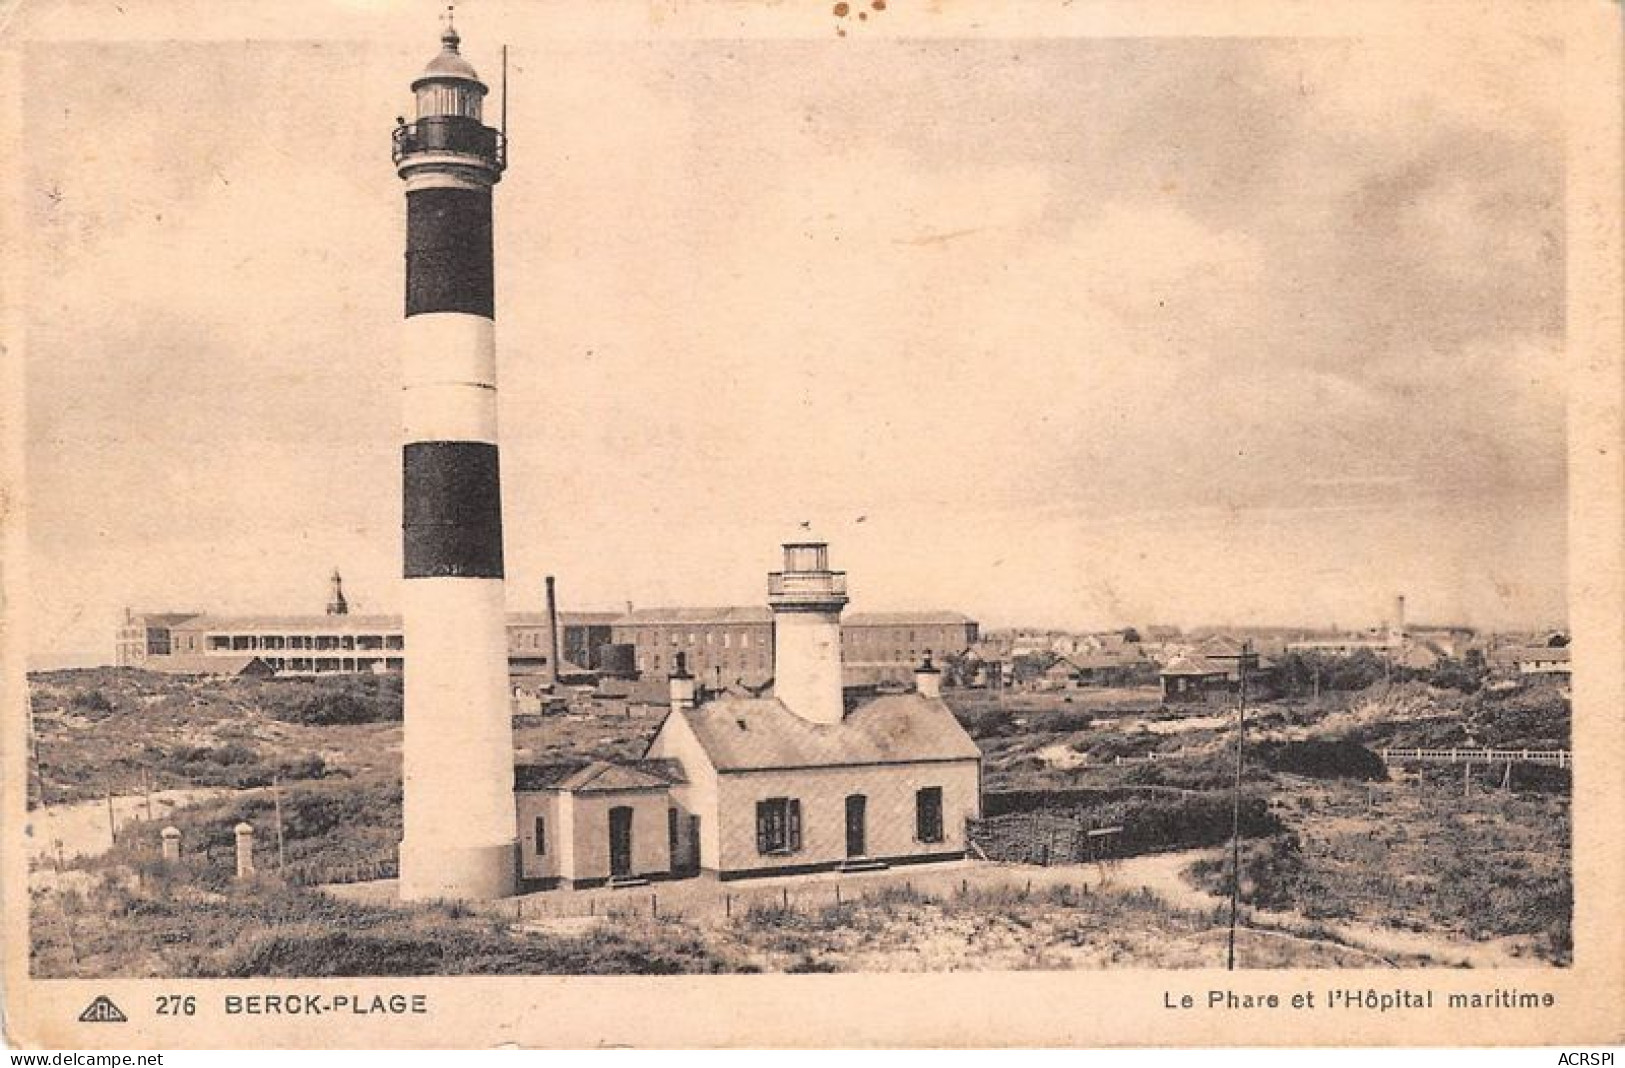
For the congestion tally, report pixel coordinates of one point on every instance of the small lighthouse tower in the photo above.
(336, 604)
(807, 598)
(459, 839)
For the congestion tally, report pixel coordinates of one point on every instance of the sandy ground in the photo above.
(708, 901)
(83, 828)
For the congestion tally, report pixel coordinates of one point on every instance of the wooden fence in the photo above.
(1557, 758)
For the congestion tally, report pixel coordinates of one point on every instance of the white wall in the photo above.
(890, 790)
(589, 820)
(698, 796)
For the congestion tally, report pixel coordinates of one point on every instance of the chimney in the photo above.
(927, 679)
(807, 598)
(1396, 632)
(682, 685)
(555, 643)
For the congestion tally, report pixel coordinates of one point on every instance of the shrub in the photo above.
(92, 700)
(1273, 875)
(1059, 721)
(1323, 760)
(330, 702)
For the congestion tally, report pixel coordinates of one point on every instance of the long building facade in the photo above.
(722, 646)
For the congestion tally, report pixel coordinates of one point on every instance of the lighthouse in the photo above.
(459, 838)
(807, 598)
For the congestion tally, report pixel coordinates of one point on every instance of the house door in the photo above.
(620, 842)
(855, 810)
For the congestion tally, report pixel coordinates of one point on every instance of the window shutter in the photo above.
(795, 824)
(761, 826)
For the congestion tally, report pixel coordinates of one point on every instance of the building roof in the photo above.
(744, 734)
(240, 664)
(723, 614)
(161, 619)
(598, 776)
(307, 622)
(566, 619)
(1193, 665)
(902, 619)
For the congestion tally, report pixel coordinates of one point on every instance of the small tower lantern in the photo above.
(807, 598)
(449, 129)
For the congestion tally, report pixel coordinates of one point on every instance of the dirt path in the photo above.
(82, 827)
(1161, 875)
(708, 901)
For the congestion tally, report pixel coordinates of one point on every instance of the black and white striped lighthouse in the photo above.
(459, 838)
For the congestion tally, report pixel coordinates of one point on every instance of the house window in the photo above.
(541, 835)
(928, 814)
(778, 825)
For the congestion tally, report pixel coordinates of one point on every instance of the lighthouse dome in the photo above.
(449, 64)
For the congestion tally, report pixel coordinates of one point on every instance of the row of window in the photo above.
(778, 820)
(701, 665)
(255, 642)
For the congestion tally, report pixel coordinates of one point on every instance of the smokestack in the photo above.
(682, 685)
(554, 641)
(927, 679)
(807, 598)
(460, 826)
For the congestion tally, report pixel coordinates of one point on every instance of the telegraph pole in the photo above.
(1244, 660)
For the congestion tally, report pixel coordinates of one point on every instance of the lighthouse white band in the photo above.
(458, 750)
(450, 378)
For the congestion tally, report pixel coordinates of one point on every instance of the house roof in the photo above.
(206, 665)
(743, 734)
(598, 776)
(1193, 665)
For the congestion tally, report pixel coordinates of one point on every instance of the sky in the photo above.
(1075, 332)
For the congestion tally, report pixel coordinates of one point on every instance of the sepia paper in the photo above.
(1054, 319)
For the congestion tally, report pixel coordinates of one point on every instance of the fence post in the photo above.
(837, 893)
(654, 906)
(728, 905)
(786, 897)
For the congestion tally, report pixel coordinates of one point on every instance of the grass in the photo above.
(170, 927)
(1491, 866)
(1424, 859)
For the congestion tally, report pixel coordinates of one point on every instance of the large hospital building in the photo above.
(721, 646)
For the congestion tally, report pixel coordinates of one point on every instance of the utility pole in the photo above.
(276, 801)
(112, 825)
(1244, 660)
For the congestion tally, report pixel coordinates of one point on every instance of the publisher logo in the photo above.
(102, 1010)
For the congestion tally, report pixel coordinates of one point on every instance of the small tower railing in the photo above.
(807, 583)
(450, 134)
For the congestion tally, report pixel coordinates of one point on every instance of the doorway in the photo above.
(856, 809)
(620, 842)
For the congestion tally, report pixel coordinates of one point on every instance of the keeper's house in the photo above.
(739, 786)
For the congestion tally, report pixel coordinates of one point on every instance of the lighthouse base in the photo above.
(435, 871)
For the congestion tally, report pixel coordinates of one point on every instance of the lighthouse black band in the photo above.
(448, 251)
(452, 510)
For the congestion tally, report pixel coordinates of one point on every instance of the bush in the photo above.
(1323, 760)
(1273, 875)
(354, 699)
(91, 701)
(1059, 721)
